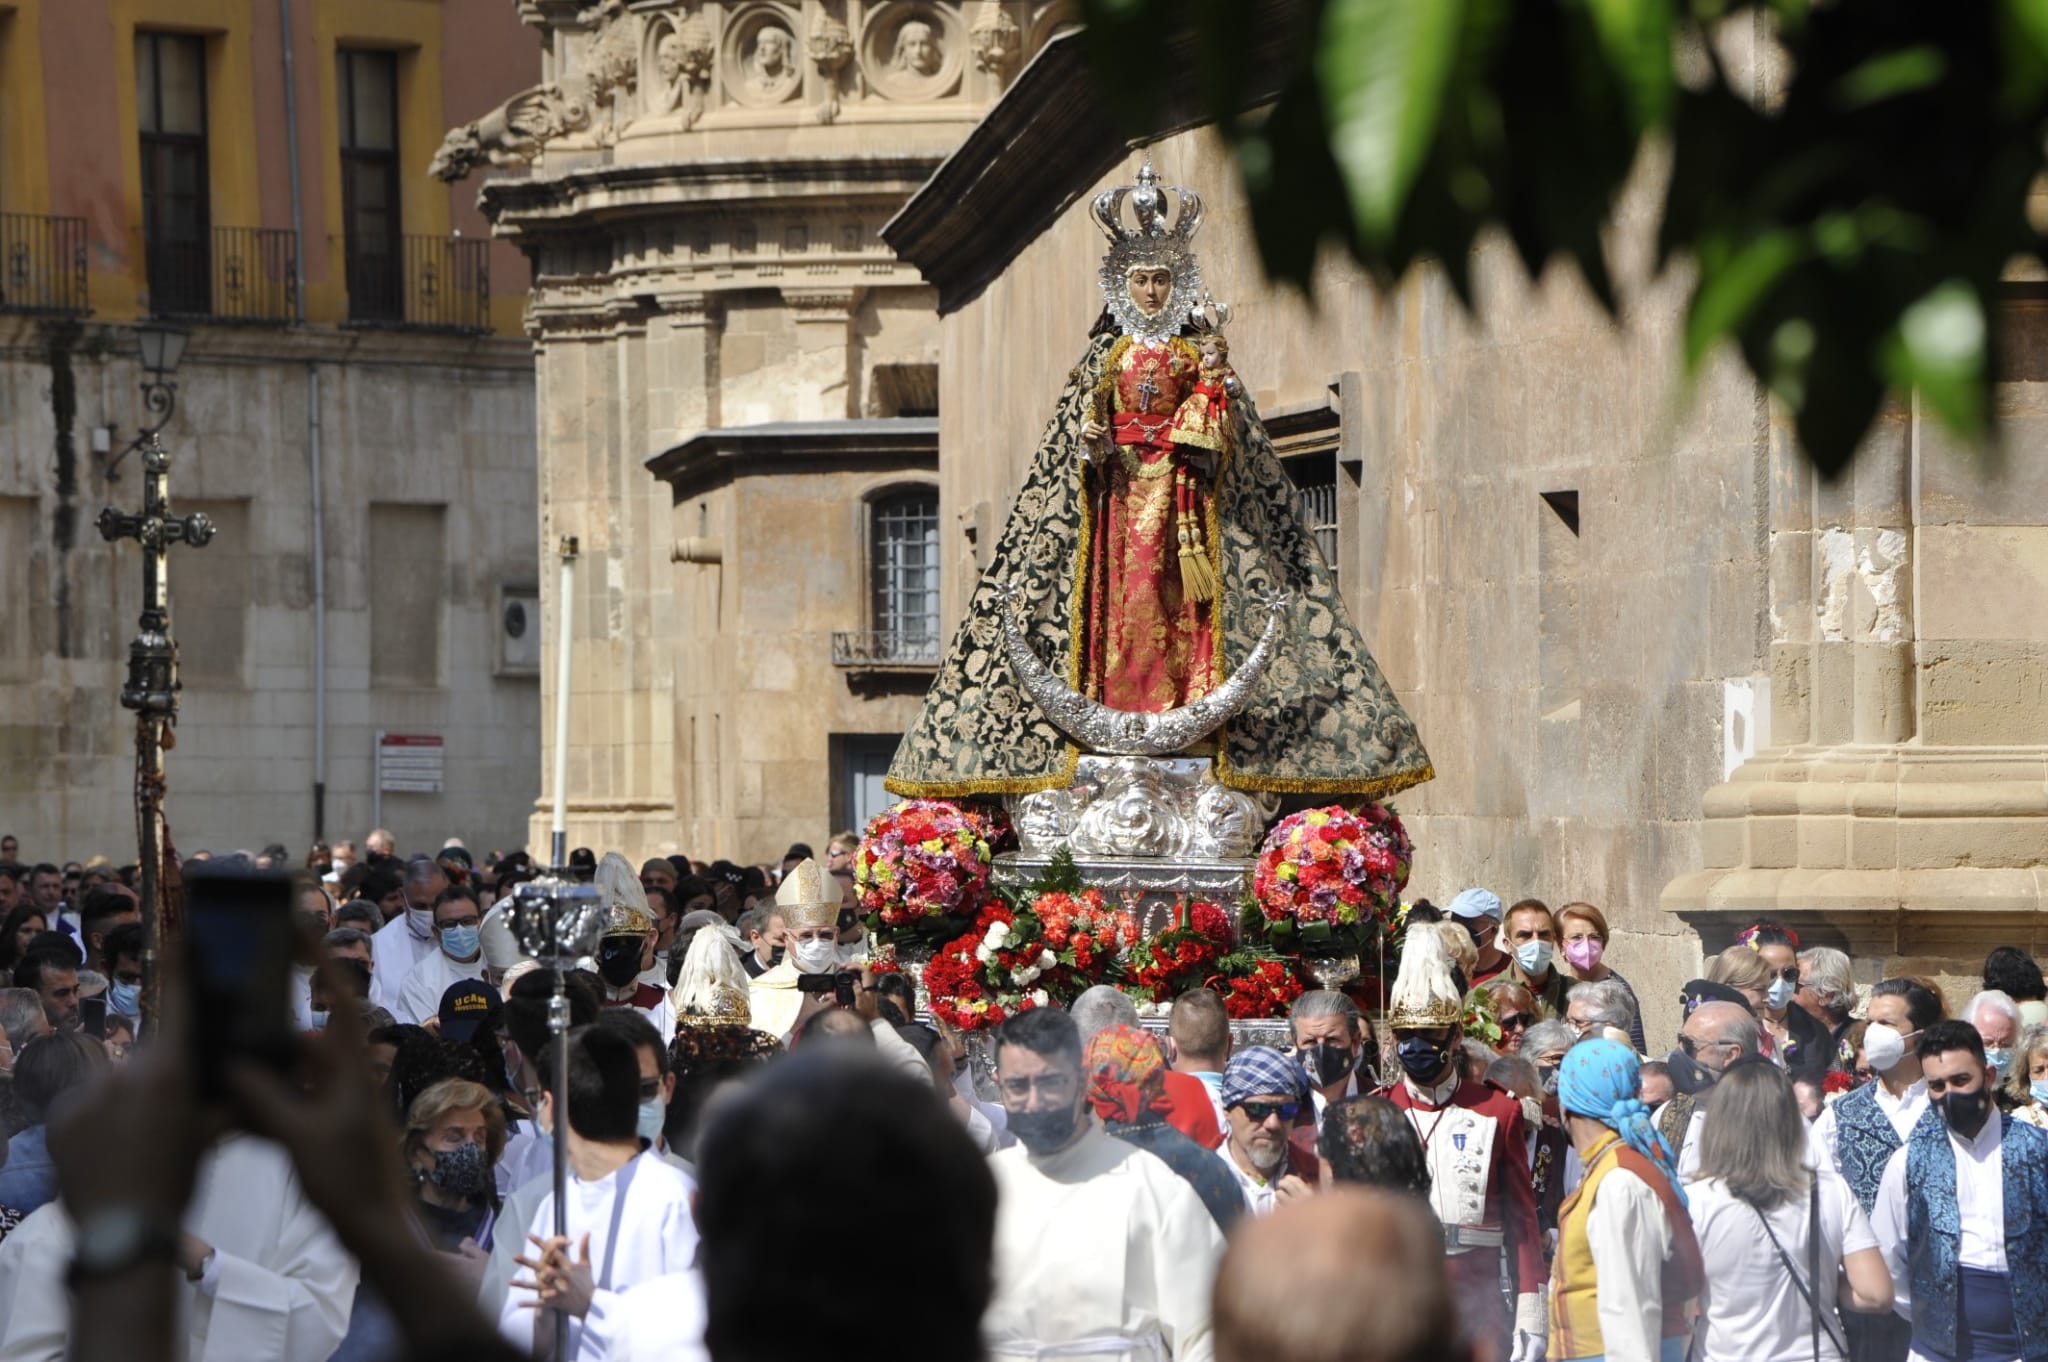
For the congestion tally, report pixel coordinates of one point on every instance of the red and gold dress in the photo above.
(1150, 639)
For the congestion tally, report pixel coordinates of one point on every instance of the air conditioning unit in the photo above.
(518, 631)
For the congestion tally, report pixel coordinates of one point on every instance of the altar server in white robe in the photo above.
(273, 1282)
(457, 958)
(408, 938)
(1102, 1250)
(629, 1209)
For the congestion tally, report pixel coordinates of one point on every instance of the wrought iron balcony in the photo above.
(42, 264)
(236, 274)
(885, 650)
(439, 283)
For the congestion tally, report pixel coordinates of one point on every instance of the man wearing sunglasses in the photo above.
(1264, 1090)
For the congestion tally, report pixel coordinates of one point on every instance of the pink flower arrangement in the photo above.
(1329, 876)
(921, 863)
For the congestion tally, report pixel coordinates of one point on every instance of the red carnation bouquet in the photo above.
(1329, 880)
(1182, 957)
(999, 967)
(922, 870)
(1084, 931)
(1264, 988)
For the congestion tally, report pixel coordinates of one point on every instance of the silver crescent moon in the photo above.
(1097, 728)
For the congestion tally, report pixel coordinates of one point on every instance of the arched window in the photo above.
(903, 573)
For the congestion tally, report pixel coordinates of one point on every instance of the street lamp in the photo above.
(162, 347)
(152, 687)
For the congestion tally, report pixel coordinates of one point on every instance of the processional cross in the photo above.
(152, 686)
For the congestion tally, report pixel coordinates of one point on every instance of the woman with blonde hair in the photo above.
(1582, 941)
(2026, 1087)
(1784, 1246)
(454, 1135)
(1765, 971)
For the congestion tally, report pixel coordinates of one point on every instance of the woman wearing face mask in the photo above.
(1801, 1043)
(454, 1133)
(1582, 942)
(2026, 1086)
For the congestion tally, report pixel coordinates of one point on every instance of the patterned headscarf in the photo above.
(1126, 1074)
(1258, 1070)
(1603, 1080)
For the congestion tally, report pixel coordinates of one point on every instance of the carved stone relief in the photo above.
(763, 64)
(913, 52)
(683, 56)
(998, 42)
(831, 48)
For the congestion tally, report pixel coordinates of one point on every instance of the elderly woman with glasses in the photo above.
(1608, 1004)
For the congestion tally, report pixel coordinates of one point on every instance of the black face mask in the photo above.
(618, 960)
(1688, 1075)
(1041, 1132)
(774, 957)
(1422, 1058)
(1327, 1063)
(1966, 1112)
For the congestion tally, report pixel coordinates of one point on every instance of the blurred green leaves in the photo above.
(1847, 181)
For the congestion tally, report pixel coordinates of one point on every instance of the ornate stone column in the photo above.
(1901, 807)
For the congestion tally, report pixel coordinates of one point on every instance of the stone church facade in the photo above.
(738, 392)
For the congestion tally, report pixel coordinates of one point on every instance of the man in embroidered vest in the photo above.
(1472, 1140)
(1858, 1135)
(1627, 1271)
(1960, 1213)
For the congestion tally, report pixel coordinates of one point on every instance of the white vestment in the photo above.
(396, 948)
(661, 1321)
(773, 1000)
(1102, 1252)
(420, 996)
(645, 1233)
(279, 1287)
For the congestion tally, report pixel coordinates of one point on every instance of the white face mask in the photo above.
(1883, 1047)
(815, 957)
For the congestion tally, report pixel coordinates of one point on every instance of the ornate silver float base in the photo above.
(1153, 889)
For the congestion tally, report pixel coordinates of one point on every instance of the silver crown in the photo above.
(1148, 205)
(1159, 240)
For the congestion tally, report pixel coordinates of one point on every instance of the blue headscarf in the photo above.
(1603, 1080)
(1261, 1071)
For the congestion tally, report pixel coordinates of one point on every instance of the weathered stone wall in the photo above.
(420, 421)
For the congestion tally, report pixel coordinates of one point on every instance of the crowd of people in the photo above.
(772, 1153)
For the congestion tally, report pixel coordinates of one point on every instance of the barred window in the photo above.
(904, 567)
(1315, 501)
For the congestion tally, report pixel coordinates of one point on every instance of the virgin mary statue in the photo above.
(1152, 532)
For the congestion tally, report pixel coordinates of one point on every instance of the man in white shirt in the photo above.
(1857, 1134)
(264, 1276)
(458, 958)
(1971, 1277)
(628, 1209)
(1263, 1090)
(1101, 1249)
(408, 938)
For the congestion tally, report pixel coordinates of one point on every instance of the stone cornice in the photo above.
(1046, 142)
(215, 344)
(574, 200)
(716, 457)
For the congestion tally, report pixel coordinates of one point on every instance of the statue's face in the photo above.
(1150, 287)
(668, 59)
(772, 47)
(915, 50)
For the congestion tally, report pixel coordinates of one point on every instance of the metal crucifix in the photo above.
(152, 686)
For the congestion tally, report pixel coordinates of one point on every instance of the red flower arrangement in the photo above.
(1330, 879)
(997, 968)
(922, 869)
(1083, 930)
(1183, 957)
(1267, 988)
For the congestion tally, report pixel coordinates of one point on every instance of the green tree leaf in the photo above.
(1636, 37)
(1384, 67)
